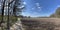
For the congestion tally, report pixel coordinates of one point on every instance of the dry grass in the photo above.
(41, 23)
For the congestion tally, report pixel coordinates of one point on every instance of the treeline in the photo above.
(57, 13)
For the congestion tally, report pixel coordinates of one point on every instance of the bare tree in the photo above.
(3, 4)
(14, 8)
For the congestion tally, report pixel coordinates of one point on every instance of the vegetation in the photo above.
(52, 15)
(57, 13)
(11, 18)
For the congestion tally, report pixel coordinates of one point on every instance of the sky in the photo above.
(40, 8)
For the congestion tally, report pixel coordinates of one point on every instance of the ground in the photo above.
(38, 24)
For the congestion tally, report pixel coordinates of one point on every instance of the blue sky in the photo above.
(36, 8)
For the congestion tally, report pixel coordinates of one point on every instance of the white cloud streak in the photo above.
(24, 3)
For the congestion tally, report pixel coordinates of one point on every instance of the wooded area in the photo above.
(9, 12)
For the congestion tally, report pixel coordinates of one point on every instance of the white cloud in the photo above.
(24, 2)
(58, 6)
(37, 4)
(39, 7)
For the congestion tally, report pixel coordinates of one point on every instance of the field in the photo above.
(41, 23)
(37, 24)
